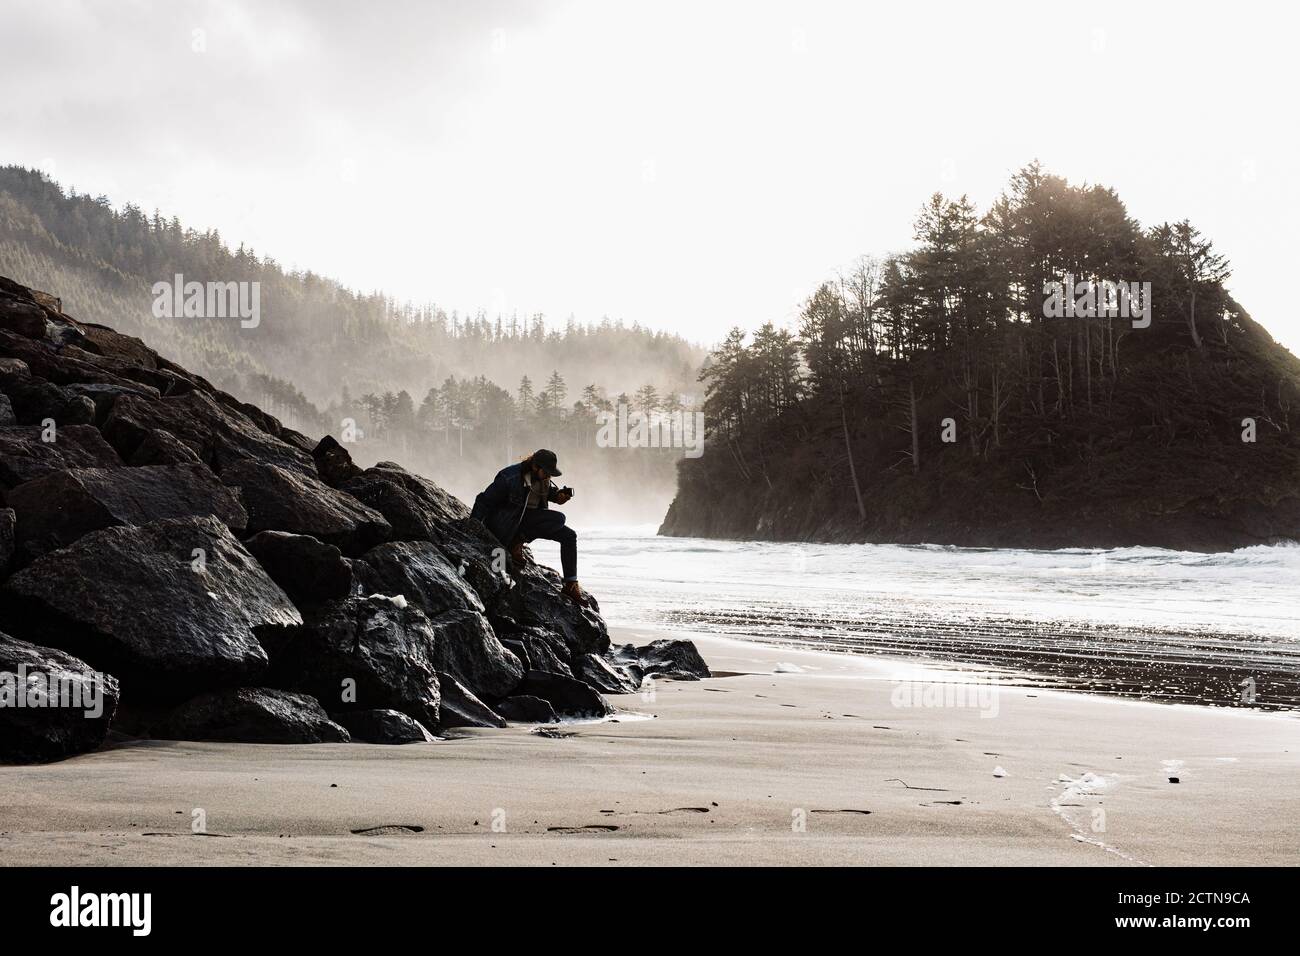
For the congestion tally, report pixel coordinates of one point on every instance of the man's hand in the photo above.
(562, 496)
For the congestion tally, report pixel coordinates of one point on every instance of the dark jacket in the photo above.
(501, 504)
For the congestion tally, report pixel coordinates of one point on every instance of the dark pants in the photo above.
(548, 524)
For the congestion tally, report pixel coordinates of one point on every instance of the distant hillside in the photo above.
(454, 395)
(934, 397)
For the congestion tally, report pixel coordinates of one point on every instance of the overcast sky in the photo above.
(691, 166)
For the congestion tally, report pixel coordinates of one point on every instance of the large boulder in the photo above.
(420, 572)
(536, 604)
(26, 454)
(26, 318)
(333, 463)
(383, 727)
(36, 315)
(57, 509)
(310, 571)
(163, 448)
(66, 707)
(221, 435)
(69, 365)
(7, 416)
(544, 650)
(467, 647)
(35, 400)
(279, 499)
(419, 510)
(252, 715)
(372, 653)
(609, 677)
(526, 709)
(109, 343)
(103, 395)
(461, 708)
(569, 697)
(669, 658)
(172, 607)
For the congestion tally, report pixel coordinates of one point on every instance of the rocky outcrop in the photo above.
(252, 715)
(52, 705)
(240, 580)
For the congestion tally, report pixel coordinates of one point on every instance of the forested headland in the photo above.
(929, 397)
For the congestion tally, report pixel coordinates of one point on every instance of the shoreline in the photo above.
(815, 765)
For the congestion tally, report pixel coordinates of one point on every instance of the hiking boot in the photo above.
(574, 592)
(518, 554)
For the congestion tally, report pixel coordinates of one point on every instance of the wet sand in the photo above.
(812, 765)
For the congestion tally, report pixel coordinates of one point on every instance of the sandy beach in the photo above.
(788, 757)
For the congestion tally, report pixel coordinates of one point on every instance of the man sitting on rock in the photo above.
(515, 508)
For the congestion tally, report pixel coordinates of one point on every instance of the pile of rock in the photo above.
(178, 564)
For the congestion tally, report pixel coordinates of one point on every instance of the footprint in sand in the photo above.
(859, 812)
(662, 812)
(388, 829)
(589, 828)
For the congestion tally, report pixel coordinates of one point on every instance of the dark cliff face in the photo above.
(1158, 461)
(187, 567)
